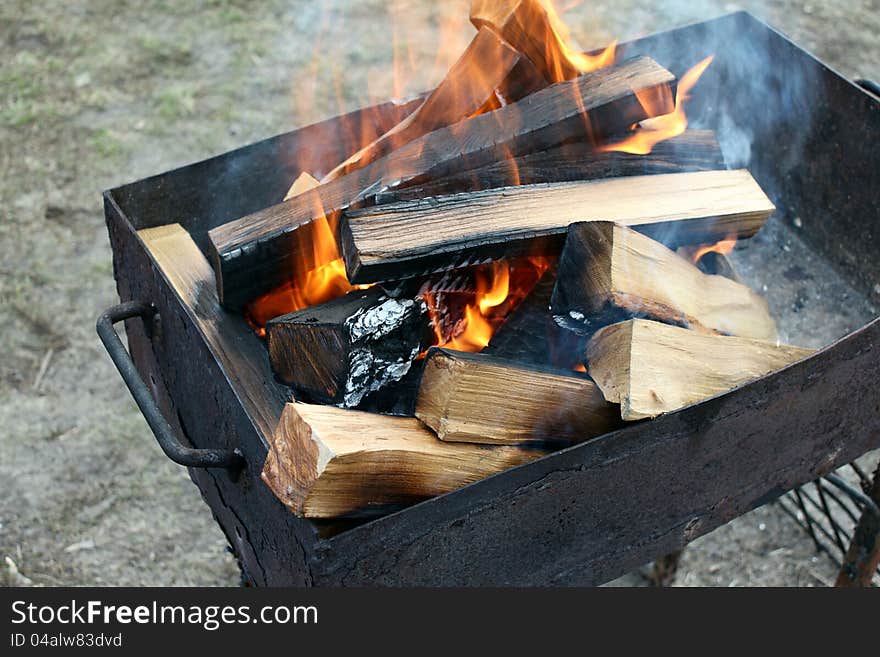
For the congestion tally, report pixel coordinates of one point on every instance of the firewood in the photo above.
(477, 398)
(257, 253)
(342, 350)
(411, 238)
(693, 150)
(470, 84)
(530, 335)
(303, 182)
(609, 272)
(651, 368)
(327, 462)
(526, 24)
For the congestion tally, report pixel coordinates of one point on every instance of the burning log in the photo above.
(651, 368)
(327, 462)
(340, 351)
(257, 253)
(527, 25)
(608, 273)
(477, 398)
(530, 335)
(694, 150)
(470, 84)
(416, 237)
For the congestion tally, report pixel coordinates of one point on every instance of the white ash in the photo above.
(367, 372)
(378, 321)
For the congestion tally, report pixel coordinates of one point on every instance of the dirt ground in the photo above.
(96, 94)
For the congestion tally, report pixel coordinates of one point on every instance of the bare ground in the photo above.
(95, 94)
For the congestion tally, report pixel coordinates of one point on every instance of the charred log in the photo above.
(257, 253)
(341, 351)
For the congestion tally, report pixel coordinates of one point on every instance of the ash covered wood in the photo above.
(328, 462)
(343, 350)
(608, 273)
(480, 398)
(257, 253)
(651, 368)
(416, 237)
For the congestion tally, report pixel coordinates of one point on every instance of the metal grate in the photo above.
(829, 508)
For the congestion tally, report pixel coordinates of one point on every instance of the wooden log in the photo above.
(527, 25)
(416, 237)
(477, 398)
(693, 150)
(470, 84)
(304, 182)
(529, 334)
(340, 351)
(651, 368)
(257, 253)
(327, 462)
(608, 273)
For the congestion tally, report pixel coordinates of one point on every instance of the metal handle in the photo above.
(232, 459)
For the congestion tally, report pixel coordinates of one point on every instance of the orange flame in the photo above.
(660, 128)
(724, 246)
(499, 288)
(562, 54)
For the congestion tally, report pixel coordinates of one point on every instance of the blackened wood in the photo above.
(257, 253)
(530, 335)
(479, 398)
(340, 351)
(412, 238)
(693, 150)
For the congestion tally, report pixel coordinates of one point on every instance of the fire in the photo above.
(562, 54)
(467, 321)
(724, 246)
(660, 128)
(498, 289)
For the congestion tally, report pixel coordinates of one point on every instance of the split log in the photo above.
(257, 253)
(304, 182)
(417, 237)
(527, 25)
(327, 462)
(608, 273)
(693, 150)
(651, 368)
(470, 84)
(476, 398)
(340, 351)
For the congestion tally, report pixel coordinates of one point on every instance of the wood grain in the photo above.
(693, 150)
(609, 272)
(237, 350)
(416, 237)
(327, 462)
(259, 252)
(478, 398)
(651, 368)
